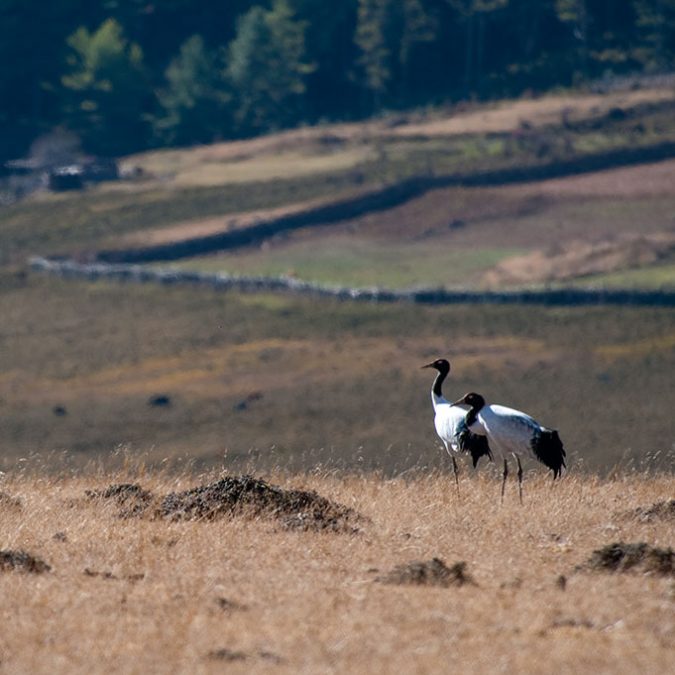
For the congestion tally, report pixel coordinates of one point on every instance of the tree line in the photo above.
(125, 75)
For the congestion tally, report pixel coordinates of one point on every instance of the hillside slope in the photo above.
(417, 225)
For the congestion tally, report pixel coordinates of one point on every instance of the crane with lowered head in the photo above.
(511, 431)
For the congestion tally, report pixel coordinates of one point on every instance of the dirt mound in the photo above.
(657, 511)
(20, 560)
(621, 557)
(131, 497)
(233, 495)
(297, 509)
(432, 572)
(582, 258)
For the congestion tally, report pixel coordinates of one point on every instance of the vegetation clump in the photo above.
(20, 560)
(432, 572)
(622, 557)
(7, 501)
(664, 510)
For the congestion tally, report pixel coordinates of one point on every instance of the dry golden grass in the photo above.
(248, 595)
(238, 161)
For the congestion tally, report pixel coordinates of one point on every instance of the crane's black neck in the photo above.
(443, 370)
(477, 403)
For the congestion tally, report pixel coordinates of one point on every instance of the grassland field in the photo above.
(169, 387)
(275, 380)
(247, 593)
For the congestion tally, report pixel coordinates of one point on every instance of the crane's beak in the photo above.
(428, 365)
(460, 401)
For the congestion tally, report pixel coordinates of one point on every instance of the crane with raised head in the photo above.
(450, 422)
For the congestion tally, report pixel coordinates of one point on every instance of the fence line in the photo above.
(122, 272)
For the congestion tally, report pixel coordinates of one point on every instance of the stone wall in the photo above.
(129, 273)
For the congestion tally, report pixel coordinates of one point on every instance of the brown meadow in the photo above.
(245, 592)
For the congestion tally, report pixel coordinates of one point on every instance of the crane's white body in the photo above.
(509, 431)
(513, 432)
(450, 423)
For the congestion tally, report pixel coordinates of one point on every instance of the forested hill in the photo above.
(124, 75)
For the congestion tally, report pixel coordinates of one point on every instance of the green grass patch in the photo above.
(652, 277)
(353, 261)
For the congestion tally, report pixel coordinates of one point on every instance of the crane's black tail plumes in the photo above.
(474, 444)
(549, 450)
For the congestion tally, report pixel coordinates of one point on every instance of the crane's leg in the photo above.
(506, 473)
(454, 467)
(520, 479)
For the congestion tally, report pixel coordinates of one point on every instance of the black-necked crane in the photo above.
(514, 432)
(450, 422)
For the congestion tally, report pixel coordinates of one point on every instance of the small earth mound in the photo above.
(20, 560)
(133, 499)
(228, 605)
(621, 557)
(232, 655)
(432, 572)
(658, 511)
(297, 509)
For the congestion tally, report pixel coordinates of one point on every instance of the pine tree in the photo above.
(267, 68)
(105, 93)
(656, 29)
(386, 35)
(194, 102)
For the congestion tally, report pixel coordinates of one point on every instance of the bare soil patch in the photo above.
(583, 258)
(432, 572)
